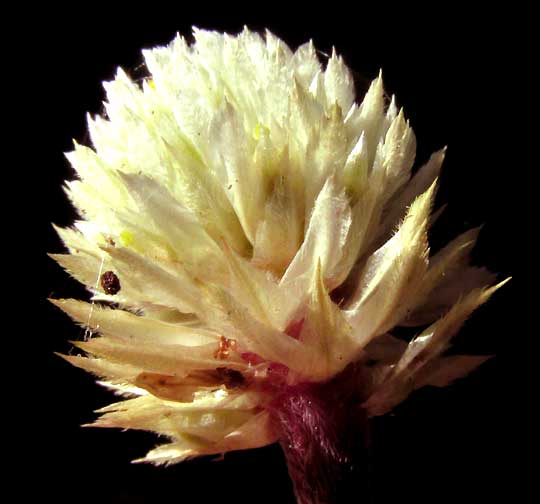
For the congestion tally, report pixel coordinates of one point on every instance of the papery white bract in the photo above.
(265, 231)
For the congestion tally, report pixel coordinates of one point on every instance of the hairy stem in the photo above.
(324, 435)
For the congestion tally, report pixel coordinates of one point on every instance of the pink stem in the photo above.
(325, 438)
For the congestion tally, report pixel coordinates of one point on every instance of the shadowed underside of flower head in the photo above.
(259, 230)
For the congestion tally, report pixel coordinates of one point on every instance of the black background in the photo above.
(452, 75)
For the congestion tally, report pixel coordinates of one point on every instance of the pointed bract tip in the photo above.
(83, 345)
(430, 191)
(501, 284)
(94, 424)
(56, 302)
(140, 461)
(65, 357)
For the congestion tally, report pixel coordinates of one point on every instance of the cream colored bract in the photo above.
(230, 194)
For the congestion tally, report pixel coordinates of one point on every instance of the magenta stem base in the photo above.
(325, 438)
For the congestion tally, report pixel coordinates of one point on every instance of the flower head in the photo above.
(254, 229)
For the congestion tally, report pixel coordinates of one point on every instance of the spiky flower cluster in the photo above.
(254, 228)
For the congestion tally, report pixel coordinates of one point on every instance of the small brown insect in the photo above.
(110, 282)
(225, 345)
